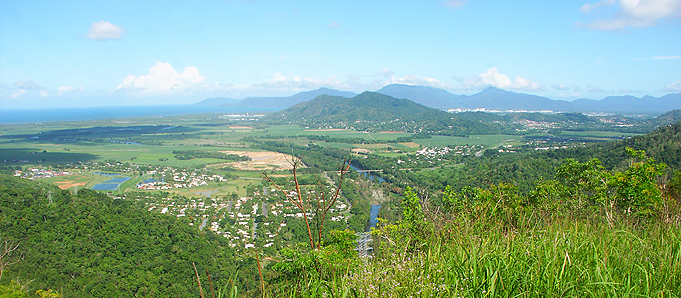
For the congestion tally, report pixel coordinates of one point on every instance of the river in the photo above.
(369, 175)
(373, 215)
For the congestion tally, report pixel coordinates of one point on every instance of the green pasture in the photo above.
(294, 130)
(31, 152)
(485, 140)
(390, 154)
(595, 135)
(337, 145)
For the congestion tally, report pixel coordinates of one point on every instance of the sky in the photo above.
(99, 53)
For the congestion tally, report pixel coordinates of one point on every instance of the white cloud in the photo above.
(68, 89)
(673, 87)
(333, 24)
(589, 7)
(18, 93)
(28, 85)
(104, 30)
(389, 78)
(416, 80)
(454, 3)
(278, 82)
(493, 78)
(629, 13)
(596, 90)
(659, 58)
(560, 87)
(163, 79)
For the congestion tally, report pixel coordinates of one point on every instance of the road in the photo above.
(204, 221)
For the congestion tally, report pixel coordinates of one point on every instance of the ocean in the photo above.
(10, 116)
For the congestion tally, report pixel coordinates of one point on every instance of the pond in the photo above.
(112, 184)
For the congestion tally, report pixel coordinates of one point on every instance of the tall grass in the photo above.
(564, 259)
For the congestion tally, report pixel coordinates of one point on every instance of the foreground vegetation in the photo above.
(590, 233)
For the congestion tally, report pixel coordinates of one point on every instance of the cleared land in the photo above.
(260, 160)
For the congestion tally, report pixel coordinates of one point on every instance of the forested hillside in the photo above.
(92, 245)
(371, 111)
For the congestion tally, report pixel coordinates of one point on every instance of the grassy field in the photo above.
(486, 140)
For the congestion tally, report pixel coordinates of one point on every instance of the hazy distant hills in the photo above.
(490, 99)
(498, 99)
(218, 102)
(272, 102)
(372, 111)
(427, 96)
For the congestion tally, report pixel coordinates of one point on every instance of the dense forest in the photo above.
(90, 244)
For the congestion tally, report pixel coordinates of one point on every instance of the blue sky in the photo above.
(78, 53)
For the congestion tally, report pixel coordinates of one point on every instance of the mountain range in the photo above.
(490, 99)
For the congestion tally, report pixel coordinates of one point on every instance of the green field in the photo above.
(486, 140)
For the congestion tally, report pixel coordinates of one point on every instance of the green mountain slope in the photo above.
(91, 245)
(371, 111)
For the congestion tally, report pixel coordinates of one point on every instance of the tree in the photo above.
(322, 199)
(637, 190)
(9, 254)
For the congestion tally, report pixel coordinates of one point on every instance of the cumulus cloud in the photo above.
(454, 4)
(628, 13)
(416, 80)
(28, 85)
(659, 58)
(493, 78)
(593, 89)
(560, 87)
(589, 7)
(18, 93)
(389, 78)
(22, 88)
(163, 79)
(673, 87)
(68, 89)
(104, 30)
(279, 83)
